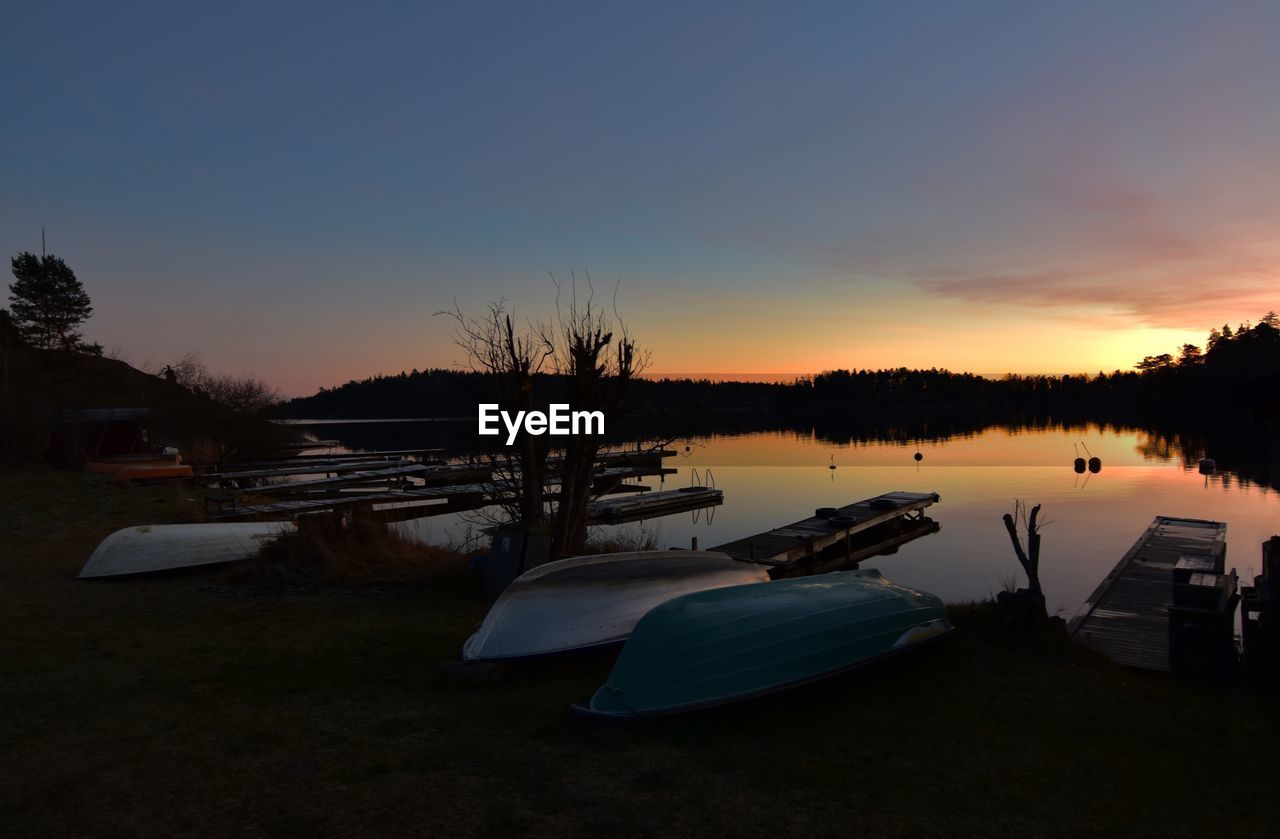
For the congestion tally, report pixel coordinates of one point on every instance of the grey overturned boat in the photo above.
(594, 601)
(165, 547)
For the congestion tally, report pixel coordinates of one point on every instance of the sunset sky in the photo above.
(780, 187)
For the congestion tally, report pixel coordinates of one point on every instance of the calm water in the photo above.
(773, 478)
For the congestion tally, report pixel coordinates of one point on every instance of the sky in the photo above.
(294, 191)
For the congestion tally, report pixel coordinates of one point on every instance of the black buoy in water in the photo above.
(1078, 465)
(1095, 463)
(833, 463)
(919, 457)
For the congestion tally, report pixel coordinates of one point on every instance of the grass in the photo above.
(194, 704)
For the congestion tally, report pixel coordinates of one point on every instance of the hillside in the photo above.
(35, 383)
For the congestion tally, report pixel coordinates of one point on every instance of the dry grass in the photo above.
(345, 550)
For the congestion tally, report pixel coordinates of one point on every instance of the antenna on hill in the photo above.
(42, 253)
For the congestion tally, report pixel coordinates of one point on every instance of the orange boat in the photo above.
(141, 467)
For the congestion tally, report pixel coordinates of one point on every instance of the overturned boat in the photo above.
(716, 647)
(593, 601)
(164, 547)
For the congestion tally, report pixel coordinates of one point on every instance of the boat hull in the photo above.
(728, 645)
(165, 547)
(594, 601)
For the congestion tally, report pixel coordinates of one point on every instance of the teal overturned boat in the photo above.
(729, 644)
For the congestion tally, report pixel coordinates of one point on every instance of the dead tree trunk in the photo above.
(1029, 601)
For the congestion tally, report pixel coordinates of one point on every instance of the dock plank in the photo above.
(799, 540)
(1126, 618)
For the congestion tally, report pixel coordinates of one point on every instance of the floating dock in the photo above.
(320, 468)
(650, 504)
(1127, 616)
(785, 546)
(429, 500)
(880, 540)
(429, 475)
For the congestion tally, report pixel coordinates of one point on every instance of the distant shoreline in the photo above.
(376, 420)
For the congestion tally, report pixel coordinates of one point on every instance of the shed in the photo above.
(87, 433)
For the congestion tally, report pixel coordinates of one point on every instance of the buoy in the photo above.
(1095, 463)
(1208, 466)
(1078, 465)
(919, 457)
(833, 463)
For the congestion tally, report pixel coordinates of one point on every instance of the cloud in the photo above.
(1191, 301)
(1172, 260)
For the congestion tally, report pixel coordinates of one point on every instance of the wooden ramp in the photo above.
(801, 540)
(1126, 618)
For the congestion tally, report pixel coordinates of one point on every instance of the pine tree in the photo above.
(49, 303)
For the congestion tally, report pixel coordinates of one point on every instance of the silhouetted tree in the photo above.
(10, 339)
(1152, 363)
(586, 357)
(1190, 356)
(49, 303)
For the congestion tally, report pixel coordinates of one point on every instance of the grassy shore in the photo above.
(196, 704)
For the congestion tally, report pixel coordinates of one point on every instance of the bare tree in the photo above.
(1032, 598)
(584, 353)
(240, 393)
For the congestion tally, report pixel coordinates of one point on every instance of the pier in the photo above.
(804, 539)
(1127, 616)
(640, 506)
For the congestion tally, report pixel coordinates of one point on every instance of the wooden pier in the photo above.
(429, 476)
(801, 540)
(881, 540)
(1127, 616)
(429, 500)
(650, 504)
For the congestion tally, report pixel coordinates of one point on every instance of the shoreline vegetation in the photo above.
(1239, 373)
(249, 699)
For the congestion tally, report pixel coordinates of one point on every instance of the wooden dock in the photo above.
(881, 540)
(647, 505)
(337, 457)
(1126, 618)
(431, 500)
(801, 540)
(429, 476)
(320, 468)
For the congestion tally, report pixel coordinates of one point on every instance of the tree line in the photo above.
(1238, 370)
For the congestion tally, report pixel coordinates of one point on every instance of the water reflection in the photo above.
(771, 478)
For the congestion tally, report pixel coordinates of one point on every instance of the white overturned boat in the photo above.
(163, 547)
(592, 601)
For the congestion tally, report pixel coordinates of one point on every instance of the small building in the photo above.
(84, 434)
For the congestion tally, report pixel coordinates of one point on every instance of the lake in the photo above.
(771, 478)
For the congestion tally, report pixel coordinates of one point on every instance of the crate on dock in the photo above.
(1196, 564)
(1202, 641)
